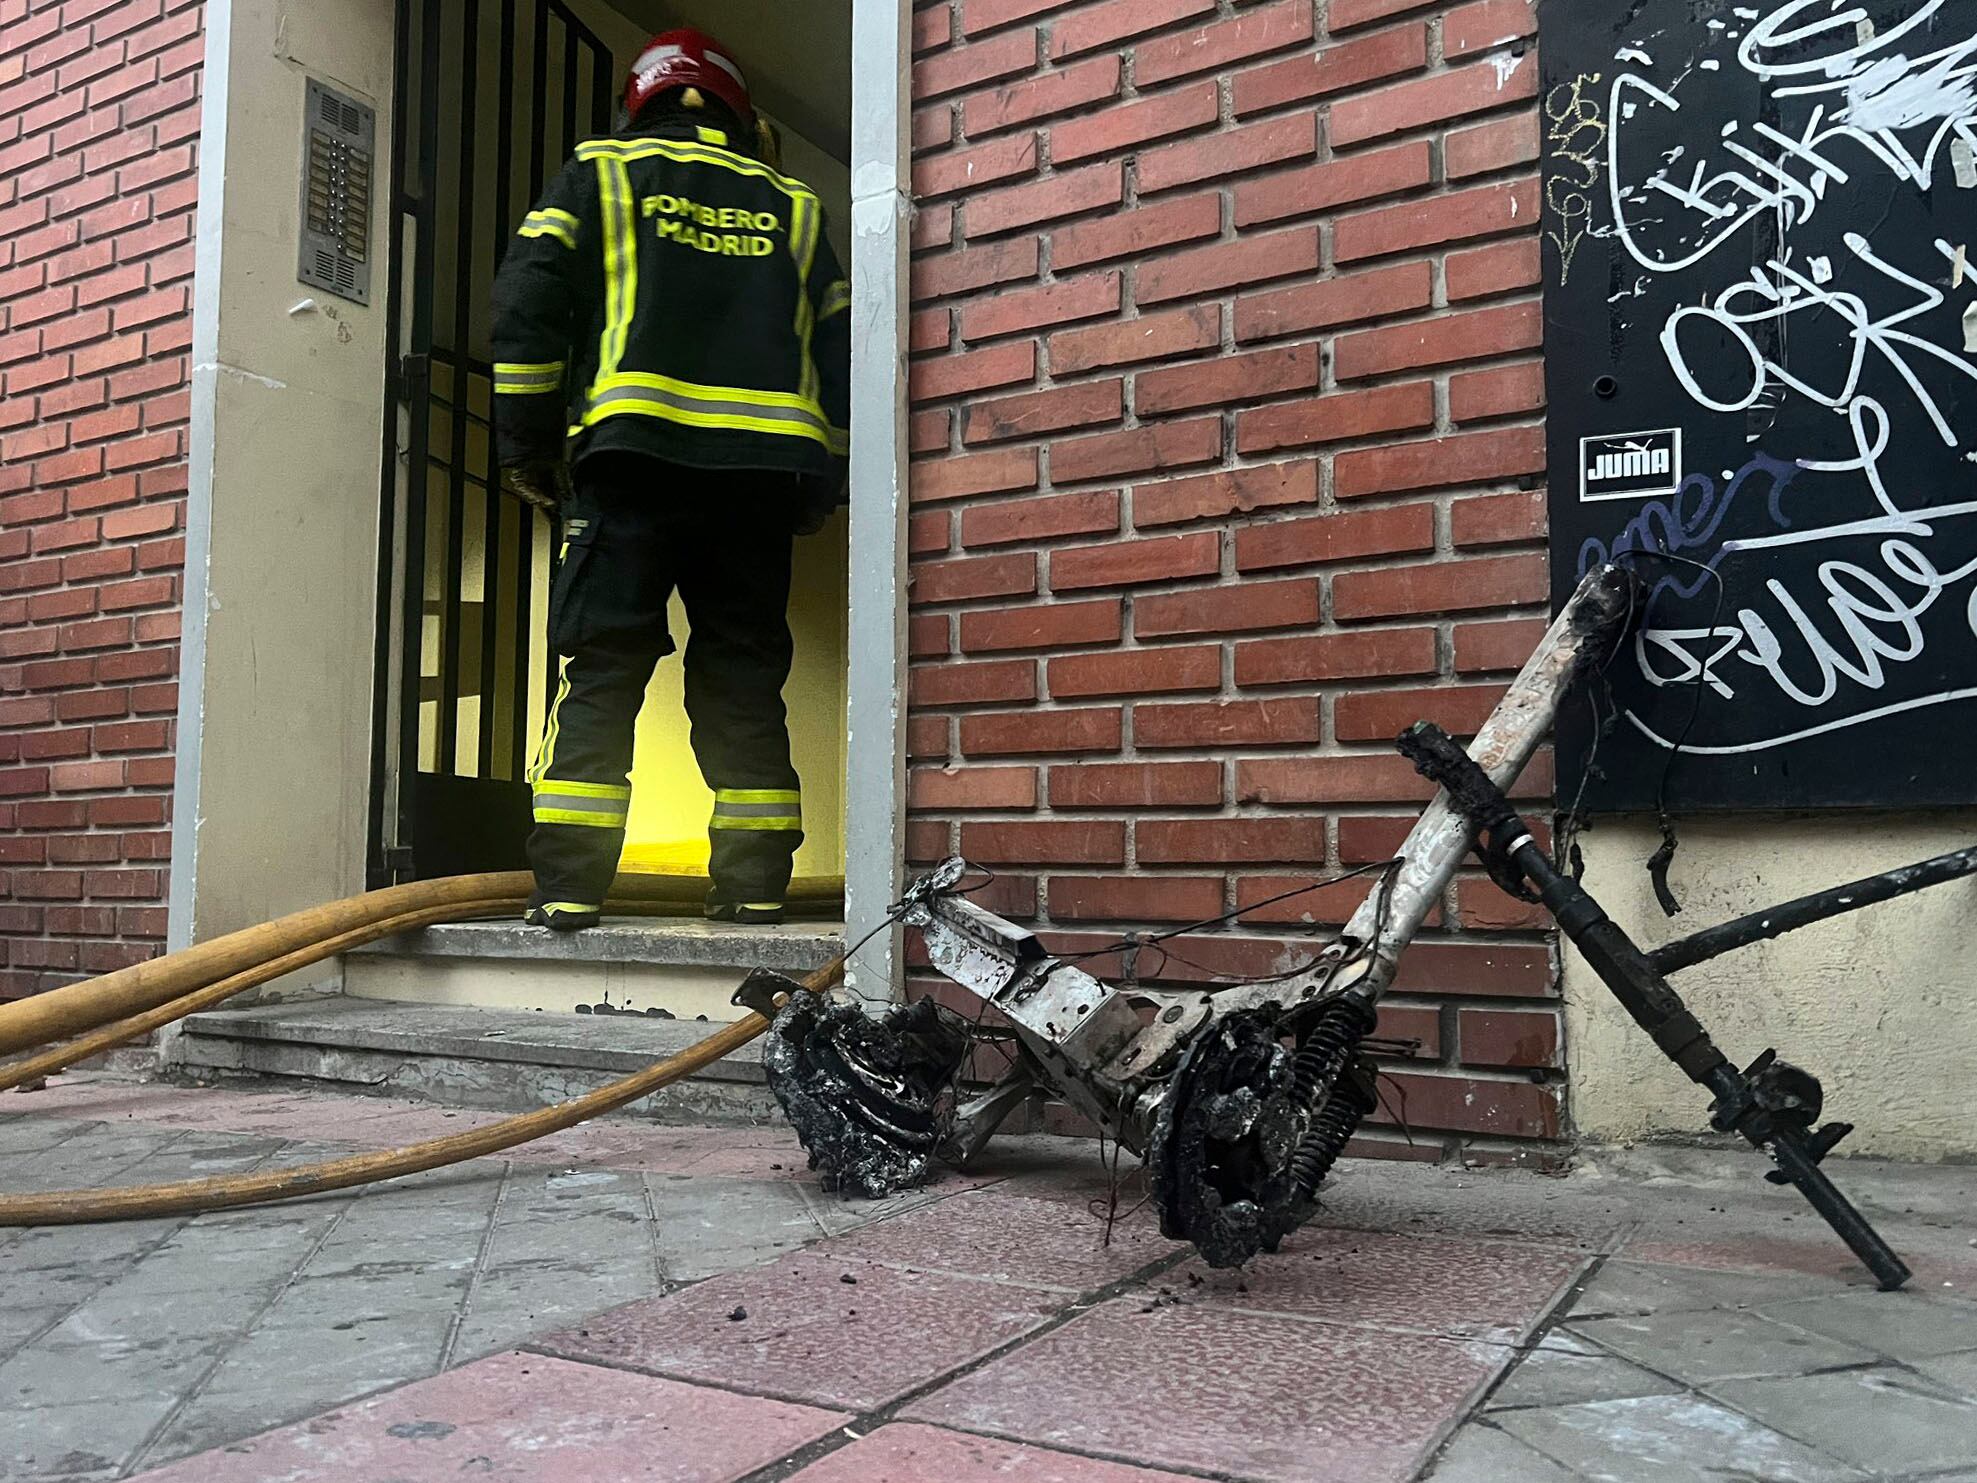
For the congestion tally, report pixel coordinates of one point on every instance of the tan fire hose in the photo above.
(211, 972)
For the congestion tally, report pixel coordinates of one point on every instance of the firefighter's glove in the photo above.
(541, 482)
(814, 513)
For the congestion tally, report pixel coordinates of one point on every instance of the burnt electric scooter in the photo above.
(1241, 1099)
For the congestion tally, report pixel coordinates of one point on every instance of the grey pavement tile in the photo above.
(325, 1363)
(27, 1132)
(707, 1227)
(49, 1372)
(57, 1286)
(66, 1246)
(1641, 1287)
(1482, 1454)
(1568, 1371)
(18, 1325)
(119, 1311)
(837, 1216)
(1718, 1345)
(1954, 1372)
(363, 1298)
(1901, 1325)
(514, 1305)
(1668, 1439)
(66, 1441)
(1881, 1420)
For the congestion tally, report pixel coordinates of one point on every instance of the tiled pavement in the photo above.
(635, 1301)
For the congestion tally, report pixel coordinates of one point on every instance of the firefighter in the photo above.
(672, 363)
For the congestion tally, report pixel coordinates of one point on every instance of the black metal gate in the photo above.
(492, 96)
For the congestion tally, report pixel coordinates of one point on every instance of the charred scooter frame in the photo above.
(1240, 1100)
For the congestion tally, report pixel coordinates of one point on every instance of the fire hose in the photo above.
(120, 1006)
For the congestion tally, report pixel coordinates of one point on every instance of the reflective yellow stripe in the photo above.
(527, 378)
(757, 795)
(839, 442)
(711, 136)
(582, 908)
(837, 299)
(680, 149)
(689, 403)
(768, 826)
(546, 754)
(581, 818)
(767, 809)
(583, 790)
(803, 247)
(550, 222)
(761, 906)
(620, 263)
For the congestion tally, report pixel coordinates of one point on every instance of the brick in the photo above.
(1331, 69)
(1337, 417)
(1508, 1037)
(1207, 270)
(971, 169)
(1302, 900)
(1480, 211)
(1479, 334)
(1437, 99)
(1120, 20)
(1150, 337)
(929, 480)
(1497, 1109)
(1023, 309)
(1043, 626)
(1094, 81)
(1233, 841)
(973, 268)
(93, 705)
(933, 28)
(933, 226)
(926, 736)
(933, 128)
(1166, 671)
(1498, 519)
(142, 593)
(1236, 723)
(1045, 842)
(1500, 144)
(1230, 491)
(1232, 152)
(1321, 189)
(1134, 898)
(929, 432)
(930, 329)
(1055, 408)
(966, 578)
(1228, 380)
(963, 789)
(1250, 33)
(1466, 458)
(974, 64)
(1372, 841)
(1136, 785)
(1339, 536)
(1441, 587)
(151, 448)
(1048, 517)
(956, 375)
(1485, 25)
(1166, 445)
(1367, 778)
(1508, 391)
(1245, 607)
(997, 683)
(1062, 193)
(1116, 130)
(1136, 562)
(927, 533)
(1144, 229)
(1503, 267)
(122, 525)
(1498, 647)
(1378, 293)
(1383, 715)
(1335, 656)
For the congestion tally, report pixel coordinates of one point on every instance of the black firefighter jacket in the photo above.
(673, 298)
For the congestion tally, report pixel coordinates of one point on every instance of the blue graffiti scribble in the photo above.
(1689, 518)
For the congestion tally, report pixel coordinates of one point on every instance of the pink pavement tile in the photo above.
(986, 1233)
(924, 1454)
(1257, 1396)
(807, 1335)
(519, 1418)
(1433, 1284)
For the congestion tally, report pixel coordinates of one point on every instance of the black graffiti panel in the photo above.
(1760, 229)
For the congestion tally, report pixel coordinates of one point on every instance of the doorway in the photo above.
(494, 95)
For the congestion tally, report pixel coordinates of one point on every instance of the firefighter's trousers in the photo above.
(637, 531)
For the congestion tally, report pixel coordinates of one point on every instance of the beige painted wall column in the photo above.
(1880, 1005)
(282, 526)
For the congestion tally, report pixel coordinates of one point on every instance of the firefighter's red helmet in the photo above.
(687, 59)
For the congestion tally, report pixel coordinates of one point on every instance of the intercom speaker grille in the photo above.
(338, 162)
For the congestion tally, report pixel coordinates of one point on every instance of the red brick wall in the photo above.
(1228, 434)
(99, 122)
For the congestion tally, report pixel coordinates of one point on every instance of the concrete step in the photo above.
(502, 1016)
(468, 1056)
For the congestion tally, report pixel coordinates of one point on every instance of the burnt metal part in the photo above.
(766, 991)
(871, 1099)
(1772, 1104)
(1775, 921)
